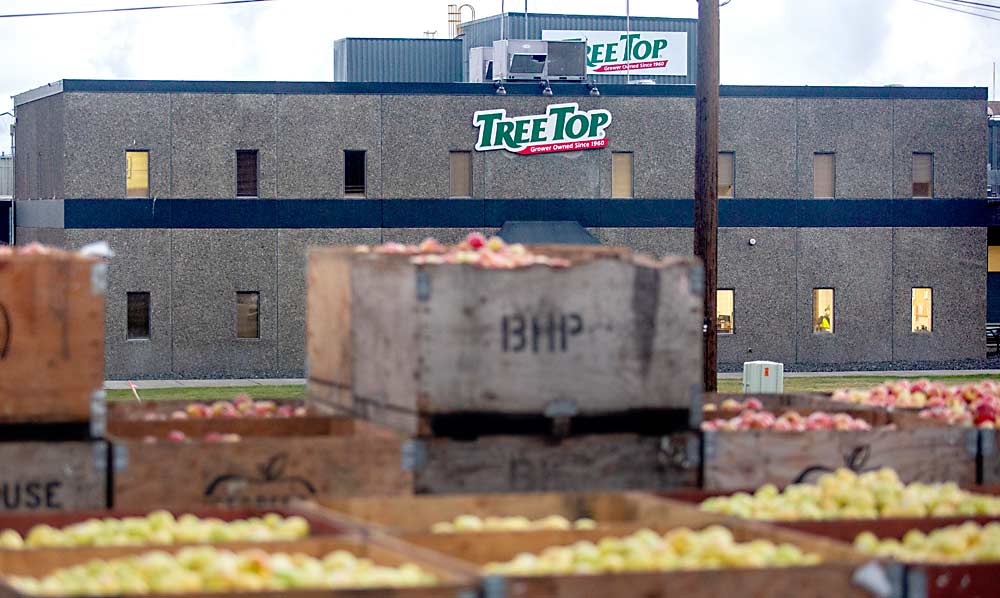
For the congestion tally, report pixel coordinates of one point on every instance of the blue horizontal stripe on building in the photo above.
(514, 88)
(492, 213)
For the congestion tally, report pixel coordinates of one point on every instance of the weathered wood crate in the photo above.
(456, 580)
(843, 574)
(53, 476)
(597, 462)
(417, 514)
(922, 580)
(749, 459)
(273, 464)
(51, 337)
(409, 346)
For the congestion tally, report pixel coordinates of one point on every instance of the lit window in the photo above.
(461, 174)
(621, 175)
(727, 174)
(823, 311)
(354, 173)
(993, 259)
(921, 308)
(923, 175)
(138, 316)
(824, 175)
(137, 174)
(248, 315)
(246, 173)
(724, 311)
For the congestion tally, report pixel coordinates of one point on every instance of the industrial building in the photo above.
(854, 221)
(854, 228)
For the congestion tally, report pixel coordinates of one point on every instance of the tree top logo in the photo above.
(563, 128)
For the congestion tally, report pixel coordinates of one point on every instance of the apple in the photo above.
(207, 569)
(845, 494)
(476, 240)
(646, 550)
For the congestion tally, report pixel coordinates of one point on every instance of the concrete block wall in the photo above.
(79, 139)
(193, 276)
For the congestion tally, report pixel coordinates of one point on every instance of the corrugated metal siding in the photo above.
(377, 60)
(994, 151)
(483, 32)
(6, 176)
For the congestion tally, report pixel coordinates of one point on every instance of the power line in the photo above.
(971, 3)
(975, 14)
(128, 9)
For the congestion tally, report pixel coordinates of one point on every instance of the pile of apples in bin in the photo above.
(880, 494)
(240, 406)
(198, 569)
(974, 404)
(476, 250)
(753, 417)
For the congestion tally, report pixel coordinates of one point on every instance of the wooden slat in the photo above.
(51, 337)
(452, 582)
(262, 472)
(52, 476)
(753, 458)
(419, 513)
(832, 578)
(23, 522)
(531, 464)
(128, 420)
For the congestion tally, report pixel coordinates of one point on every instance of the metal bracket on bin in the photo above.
(873, 577)
(972, 442)
(119, 452)
(683, 457)
(987, 442)
(98, 414)
(494, 586)
(414, 455)
(696, 406)
(561, 412)
(708, 445)
(916, 582)
(99, 455)
(423, 285)
(897, 579)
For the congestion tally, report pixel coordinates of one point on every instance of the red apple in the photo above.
(476, 240)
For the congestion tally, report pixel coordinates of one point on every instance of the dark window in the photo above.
(248, 315)
(138, 316)
(246, 173)
(354, 173)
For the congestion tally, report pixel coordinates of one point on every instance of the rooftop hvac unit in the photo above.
(536, 60)
(480, 65)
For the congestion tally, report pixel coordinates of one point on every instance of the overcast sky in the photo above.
(788, 42)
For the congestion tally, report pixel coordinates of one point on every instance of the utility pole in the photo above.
(706, 174)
